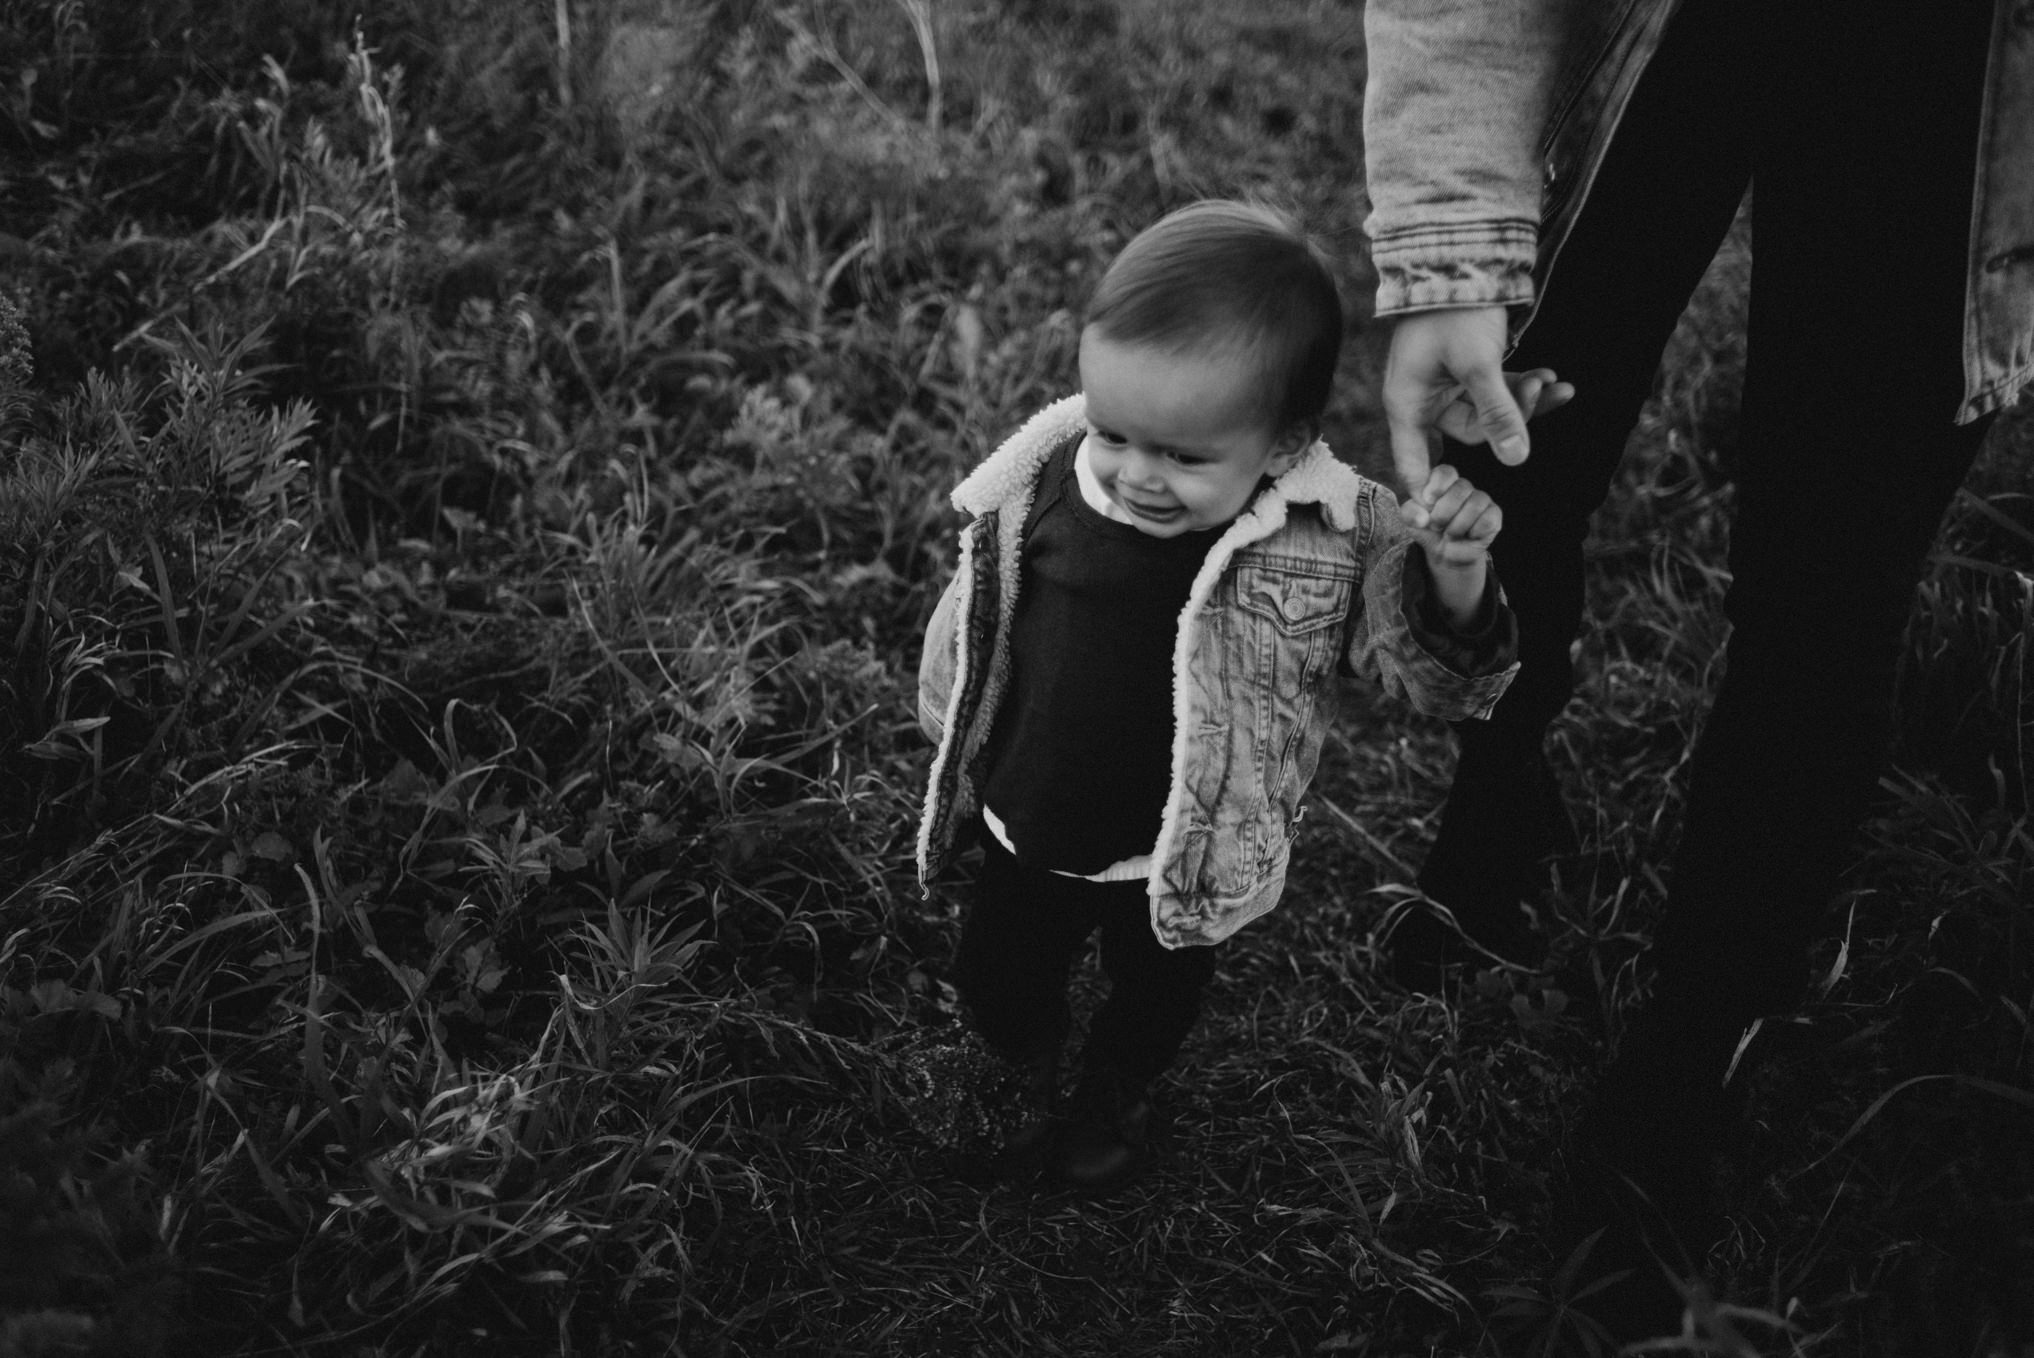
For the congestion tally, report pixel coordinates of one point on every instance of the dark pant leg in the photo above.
(1017, 947)
(1154, 991)
(1661, 203)
(1861, 220)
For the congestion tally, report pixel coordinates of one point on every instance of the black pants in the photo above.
(1856, 125)
(1023, 931)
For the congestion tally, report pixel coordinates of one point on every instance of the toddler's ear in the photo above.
(1291, 442)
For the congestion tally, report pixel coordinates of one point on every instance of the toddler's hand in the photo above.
(1454, 521)
(1537, 392)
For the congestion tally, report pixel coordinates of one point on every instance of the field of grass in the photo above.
(471, 478)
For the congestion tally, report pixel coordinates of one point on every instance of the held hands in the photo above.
(1462, 519)
(1446, 372)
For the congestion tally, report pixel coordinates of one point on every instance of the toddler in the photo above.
(1131, 674)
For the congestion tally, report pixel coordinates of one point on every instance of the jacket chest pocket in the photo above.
(1297, 603)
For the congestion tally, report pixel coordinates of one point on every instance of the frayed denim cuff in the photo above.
(1473, 264)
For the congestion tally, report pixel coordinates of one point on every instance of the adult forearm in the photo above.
(1453, 111)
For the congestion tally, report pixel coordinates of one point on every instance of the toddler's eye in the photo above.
(1110, 437)
(1186, 459)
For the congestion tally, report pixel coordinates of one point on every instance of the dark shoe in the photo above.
(1106, 1139)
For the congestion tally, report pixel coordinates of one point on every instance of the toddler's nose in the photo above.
(1142, 472)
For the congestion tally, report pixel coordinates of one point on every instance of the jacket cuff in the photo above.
(1486, 646)
(1470, 264)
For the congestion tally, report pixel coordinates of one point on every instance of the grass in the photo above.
(471, 478)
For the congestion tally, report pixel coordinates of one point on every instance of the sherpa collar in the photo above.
(1005, 477)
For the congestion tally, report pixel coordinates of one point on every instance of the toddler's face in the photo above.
(1178, 441)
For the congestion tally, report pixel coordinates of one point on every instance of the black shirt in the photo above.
(1080, 759)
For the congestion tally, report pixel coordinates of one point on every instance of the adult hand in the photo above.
(1536, 393)
(1437, 357)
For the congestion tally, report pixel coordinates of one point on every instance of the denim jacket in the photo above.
(1308, 580)
(1478, 163)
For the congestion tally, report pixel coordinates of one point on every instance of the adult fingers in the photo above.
(1551, 398)
(1504, 426)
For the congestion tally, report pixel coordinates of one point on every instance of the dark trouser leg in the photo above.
(1154, 998)
(1023, 932)
(1662, 202)
(1154, 991)
(1848, 457)
(1864, 179)
(1017, 948)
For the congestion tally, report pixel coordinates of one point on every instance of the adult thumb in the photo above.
(1504, 424)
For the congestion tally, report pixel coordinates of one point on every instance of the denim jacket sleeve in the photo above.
(1455, 103)
(1487, 645)
(1384, 645)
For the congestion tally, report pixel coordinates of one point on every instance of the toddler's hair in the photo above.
(1223, 275)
